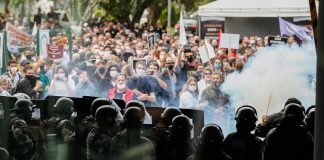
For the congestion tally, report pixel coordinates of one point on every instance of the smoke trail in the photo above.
(280, 72)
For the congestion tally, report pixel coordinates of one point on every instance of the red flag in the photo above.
(219, 35)
(55, 51)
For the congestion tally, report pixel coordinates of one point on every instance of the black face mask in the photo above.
(32, 78)
(101, 70)
(28, 56)
(170, 67)
(126, 55)
(190, 58)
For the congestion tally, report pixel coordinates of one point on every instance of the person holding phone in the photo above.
(61, 85)
(30, 84)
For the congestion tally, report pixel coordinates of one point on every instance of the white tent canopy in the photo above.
(256, 8)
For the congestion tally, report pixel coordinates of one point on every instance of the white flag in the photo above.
(34, 30)
(182, 34)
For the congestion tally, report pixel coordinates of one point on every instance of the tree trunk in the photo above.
(141, 6)
(6, 7)
(155, 12)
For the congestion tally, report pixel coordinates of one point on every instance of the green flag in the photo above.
(5, 53)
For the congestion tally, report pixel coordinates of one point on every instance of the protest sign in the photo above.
(230, 41)
(274, 41)
(55, 51)
(44, 39)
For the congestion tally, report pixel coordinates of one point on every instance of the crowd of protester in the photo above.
(113, 60)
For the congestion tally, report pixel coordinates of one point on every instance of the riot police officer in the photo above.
(290, 140)
(99, 139)
(179, 145)
(25, 140)
(125, 144)
(60, 132)
(242, 145)
(210, 144)
(161, 130)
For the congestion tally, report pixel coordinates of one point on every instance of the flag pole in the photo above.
(313, 12)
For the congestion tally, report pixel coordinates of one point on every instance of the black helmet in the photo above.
(137, 104)
(181, 122)
(310, 111)
(21, 96)
(169, 113)
(23, 106)
(107, 116)
(310, 118)
(98, 103)
(4, 154)
(133, 118)
(211, 134)
(246, 113)
(63, 107)
(294, 113)
(292, 100)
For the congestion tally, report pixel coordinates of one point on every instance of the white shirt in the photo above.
(60, 88)
(188, 100)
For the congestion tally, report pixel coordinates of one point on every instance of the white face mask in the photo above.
(192, 88)
(13, 69)
(61, 75)
(113, 74)
(141, 72)
(121, 86)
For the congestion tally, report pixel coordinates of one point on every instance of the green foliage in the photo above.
(175, 14)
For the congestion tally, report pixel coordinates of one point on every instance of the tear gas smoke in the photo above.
(280, 72)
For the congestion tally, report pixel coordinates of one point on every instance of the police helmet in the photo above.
(133, 117)
(21, 96)
(180, 123)
(211, 134)
(169, 113)
(137, 104)
(23, 106)
(246, 113)
(64, 107)
(292, 100)
(98, 103)
(107, 116)
(294, 112)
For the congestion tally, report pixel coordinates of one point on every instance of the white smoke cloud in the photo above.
(280, 72)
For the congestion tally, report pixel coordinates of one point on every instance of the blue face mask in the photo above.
(218, 66)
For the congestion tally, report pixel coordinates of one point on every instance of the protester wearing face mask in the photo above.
(121, 91)
(161, 87)
(29, 56)
(13, 73)
(171, 76)
(205, 81)
(100, 80)
(141, 86)
(218, 66)
(85, 86)
(199, 72)
(61, 85)
(189, 95)
(29, 85)
(112, 74)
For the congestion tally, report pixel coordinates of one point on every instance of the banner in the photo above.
(55, 51)
(274, 41)
(1, 48)
(209, 27)
(44, 39)
(17, 39)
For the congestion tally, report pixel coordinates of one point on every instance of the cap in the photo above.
(24, 62)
